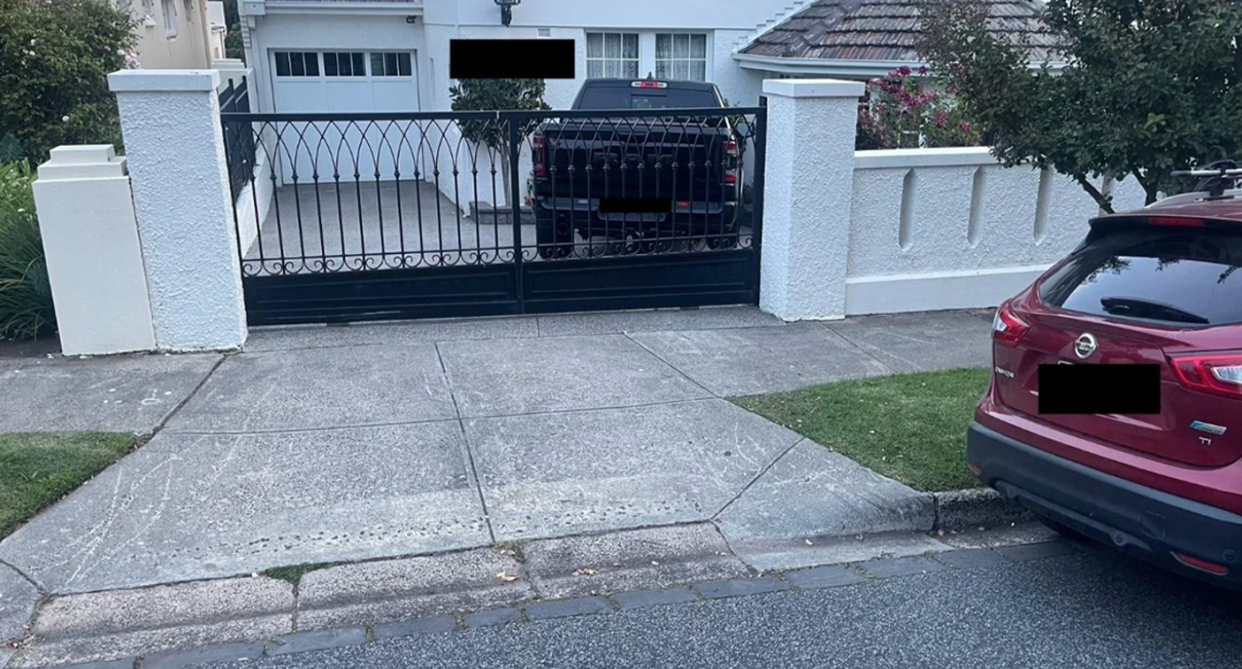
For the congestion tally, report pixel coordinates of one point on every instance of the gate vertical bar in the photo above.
(515, 203)
(756, 210)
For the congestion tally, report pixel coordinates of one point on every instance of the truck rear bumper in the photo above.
(695, 217)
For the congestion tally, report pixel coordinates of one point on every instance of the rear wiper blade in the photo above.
(1133, 306)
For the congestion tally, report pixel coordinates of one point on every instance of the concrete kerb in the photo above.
(975, 507)
(537, 607)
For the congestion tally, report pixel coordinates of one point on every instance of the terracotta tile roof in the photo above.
(882, 30)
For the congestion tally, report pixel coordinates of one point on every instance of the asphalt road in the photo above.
(1093, 609)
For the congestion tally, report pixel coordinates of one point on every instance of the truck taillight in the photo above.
(731, 177)
(1217, 373)
(731, 148)
(540, 157)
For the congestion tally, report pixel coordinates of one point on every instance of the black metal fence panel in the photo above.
(539, 197)
(239, 145)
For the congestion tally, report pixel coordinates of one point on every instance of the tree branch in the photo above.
(1105, 201)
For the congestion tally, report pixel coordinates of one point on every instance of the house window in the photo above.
(169, 8)
(344, 64)
(391, 64)
(681, 56)
(612, 55)
(297, 64)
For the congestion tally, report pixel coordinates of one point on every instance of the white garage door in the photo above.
(343, 82)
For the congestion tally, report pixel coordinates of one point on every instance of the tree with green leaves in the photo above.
(1143, 87)
(233, 47)
(55, 57)
(497, 94)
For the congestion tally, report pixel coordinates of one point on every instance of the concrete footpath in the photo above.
(464, 438)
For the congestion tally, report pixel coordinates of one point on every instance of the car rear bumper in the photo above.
(1143, 521)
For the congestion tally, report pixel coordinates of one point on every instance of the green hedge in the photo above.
(25, 295)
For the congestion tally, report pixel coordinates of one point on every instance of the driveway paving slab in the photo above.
(519, 376)
(318, 388)
(749, 361)
(550, 475)
(126, 393)
(188, 507)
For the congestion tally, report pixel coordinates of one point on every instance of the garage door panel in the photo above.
(349, 149)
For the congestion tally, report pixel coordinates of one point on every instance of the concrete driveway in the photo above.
(328, 444)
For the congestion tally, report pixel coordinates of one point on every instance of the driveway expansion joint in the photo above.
(671, 366)
(754, 480)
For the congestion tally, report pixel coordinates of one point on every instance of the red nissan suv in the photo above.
(1158, 286)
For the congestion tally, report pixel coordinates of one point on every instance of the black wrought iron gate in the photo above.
(346, 217)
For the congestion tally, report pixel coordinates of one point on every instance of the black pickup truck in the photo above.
(649, 180)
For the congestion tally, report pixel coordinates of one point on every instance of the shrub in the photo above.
(1145, 88)
(899, 115)
(55, 57)
(25, 294)
(492, 94)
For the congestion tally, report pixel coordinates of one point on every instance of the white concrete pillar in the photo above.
(231, 70)
(808, 183)
(170, 120)
(94, 259)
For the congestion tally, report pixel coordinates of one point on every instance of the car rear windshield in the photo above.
(611, 97)
(1180, 278)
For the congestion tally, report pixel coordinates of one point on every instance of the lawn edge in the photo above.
(976, 507)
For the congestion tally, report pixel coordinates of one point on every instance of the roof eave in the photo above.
(821, 66)
(836, 67)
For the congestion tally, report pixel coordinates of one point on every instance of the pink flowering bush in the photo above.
(899, 115)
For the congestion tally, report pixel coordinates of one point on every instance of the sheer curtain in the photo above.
(681, 56)
(612, 55)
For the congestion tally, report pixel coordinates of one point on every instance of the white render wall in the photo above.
(951, 228)
(175, 151)
(864, 232)
(806, 184)
(94, 258)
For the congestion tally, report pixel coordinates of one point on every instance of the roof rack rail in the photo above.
(1215, 178)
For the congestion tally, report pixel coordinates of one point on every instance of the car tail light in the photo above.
(1217, 373)
(649, 84)
(540, 156)
(1177, 221)
(731, 148)
(1007, 328)
(731, 177)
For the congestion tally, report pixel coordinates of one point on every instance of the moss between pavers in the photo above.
(294, 573)
(909, 427)
(37, 469)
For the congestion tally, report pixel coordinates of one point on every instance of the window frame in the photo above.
(168, 8)
(690, 59)
(401, 61)
(604, 59)
(354, 58)
(290, 74)
(647, 50)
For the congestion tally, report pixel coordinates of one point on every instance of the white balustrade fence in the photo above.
(905, 229)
